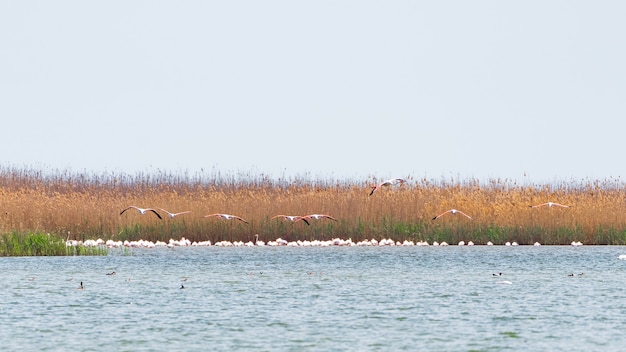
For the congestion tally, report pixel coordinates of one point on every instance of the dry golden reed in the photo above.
(87, 206)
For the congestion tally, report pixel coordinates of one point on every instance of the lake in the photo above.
(318, 299)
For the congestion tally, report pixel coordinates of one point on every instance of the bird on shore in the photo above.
(452, 212)
(386, 183)
(550, 205)
(292, 218)
(142, 211)
(226, 217)
(316, 217)
(173, 215)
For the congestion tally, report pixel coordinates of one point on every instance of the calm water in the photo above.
(299, 299)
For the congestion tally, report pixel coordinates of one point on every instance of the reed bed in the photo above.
(83, 206)
(41, 244)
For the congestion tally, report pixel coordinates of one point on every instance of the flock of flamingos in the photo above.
(292, 218)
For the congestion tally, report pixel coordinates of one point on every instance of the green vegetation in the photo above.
(41, 244)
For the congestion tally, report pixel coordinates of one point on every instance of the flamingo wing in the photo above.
(440, 215)
(155, 212)
(462, 213)
(240, 219)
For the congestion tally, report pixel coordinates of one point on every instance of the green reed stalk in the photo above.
(40, 244)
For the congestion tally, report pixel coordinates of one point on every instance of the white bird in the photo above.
(549, 204)
(453, 212)
(142, 211)
(292, 218)
(226, 217)
(172, 215)
(386, 183)
(316, 217)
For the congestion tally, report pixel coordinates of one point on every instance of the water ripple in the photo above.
(299, 299)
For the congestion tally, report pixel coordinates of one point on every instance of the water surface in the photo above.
(318, 299)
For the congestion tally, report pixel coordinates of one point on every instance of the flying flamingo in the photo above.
(173, 215)
(226, 217)
(550, 205)
(142, 211)
(316, 217)
(386, 183)
(292, 218)
(453, 212)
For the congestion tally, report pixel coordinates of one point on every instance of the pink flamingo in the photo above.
(316, 217)
(142, 211)
(452, 212)
(549, 204)
(173, 215)
(227, 217)
(292, 218)
(386, 183)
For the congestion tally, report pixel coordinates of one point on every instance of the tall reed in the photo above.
(41, 244)
(87, 206)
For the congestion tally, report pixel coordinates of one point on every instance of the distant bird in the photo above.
(316, 217)
(81, 286)
(111, 273)
(182, 287)
(226, 217)
(498, 274)
(173, 215)
(292, 218)
(386, 183)
(453, 212)
(549, 204)
(142, 211)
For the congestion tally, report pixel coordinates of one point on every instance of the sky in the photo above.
(531, 90)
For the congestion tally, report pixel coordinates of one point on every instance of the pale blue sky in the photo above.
(340, 89)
